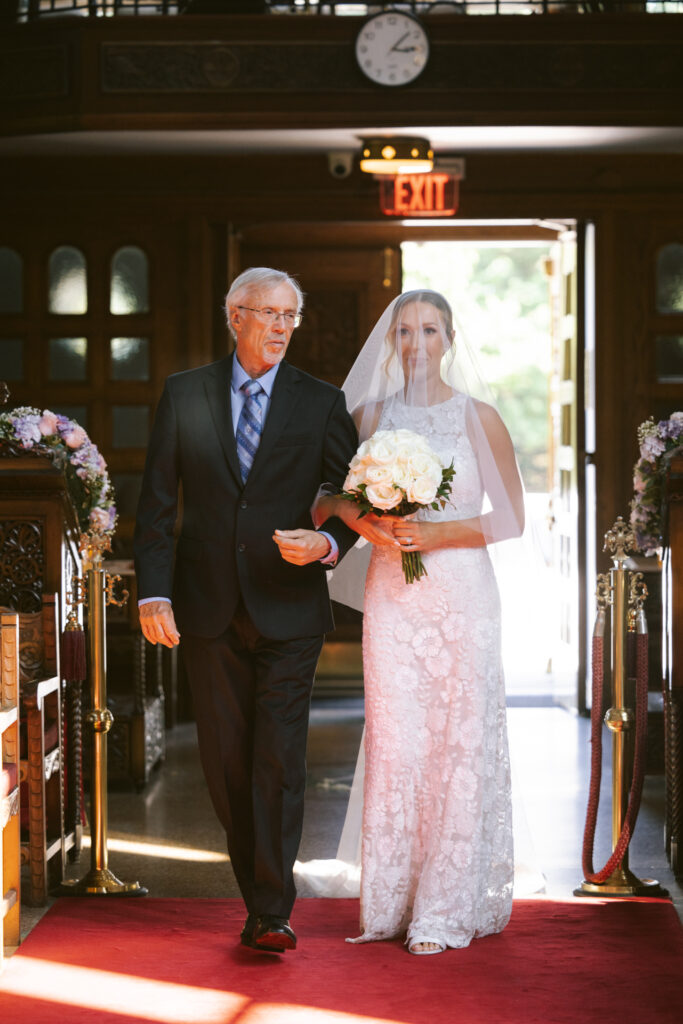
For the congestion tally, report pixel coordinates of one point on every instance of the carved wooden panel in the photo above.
(189, 66)
(168, 67)
(556, 66)
(22, 564)
(31, 646)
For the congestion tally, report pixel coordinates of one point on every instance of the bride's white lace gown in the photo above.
(437, 857)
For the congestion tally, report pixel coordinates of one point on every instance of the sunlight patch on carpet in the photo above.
(282, 1013)
(146, 849)
(162, 1002)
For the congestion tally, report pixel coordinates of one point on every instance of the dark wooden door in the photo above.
(347, 288)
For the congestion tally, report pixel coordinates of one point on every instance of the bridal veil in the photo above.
(396, 364)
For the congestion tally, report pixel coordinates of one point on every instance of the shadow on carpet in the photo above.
(178, 961)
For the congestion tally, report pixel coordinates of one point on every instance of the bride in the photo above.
(436, 858)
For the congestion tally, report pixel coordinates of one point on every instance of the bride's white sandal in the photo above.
(422, 940)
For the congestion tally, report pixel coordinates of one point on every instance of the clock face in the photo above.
(392, 48)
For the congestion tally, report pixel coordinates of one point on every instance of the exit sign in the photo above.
(419, 195)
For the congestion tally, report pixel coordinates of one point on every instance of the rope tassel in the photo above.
(73, 650)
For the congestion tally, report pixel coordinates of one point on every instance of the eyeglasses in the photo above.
(269, 316)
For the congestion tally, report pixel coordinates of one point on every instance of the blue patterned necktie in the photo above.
(249, 427)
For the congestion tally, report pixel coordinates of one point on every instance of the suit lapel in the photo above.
(281, 406)
(217, 386)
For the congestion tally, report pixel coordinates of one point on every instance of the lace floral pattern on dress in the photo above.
(437, 857)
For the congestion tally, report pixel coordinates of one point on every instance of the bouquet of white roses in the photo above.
(396, 473)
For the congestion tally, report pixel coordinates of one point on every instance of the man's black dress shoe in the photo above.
(273, 934)
(247, 937)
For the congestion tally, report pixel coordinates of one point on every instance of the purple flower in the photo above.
(672, 428)
(646, 513)
(67, 442)
(651, 447)
(27, 429)
(89, 458)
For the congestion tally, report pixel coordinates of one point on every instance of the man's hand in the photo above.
(301, 546)
(158, 623)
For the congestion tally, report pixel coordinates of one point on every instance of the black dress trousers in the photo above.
(251, 698)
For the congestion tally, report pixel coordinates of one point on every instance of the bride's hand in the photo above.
(416, 536)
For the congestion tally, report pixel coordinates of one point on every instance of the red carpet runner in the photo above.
(177, 961)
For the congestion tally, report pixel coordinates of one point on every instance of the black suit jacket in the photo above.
(225, 546)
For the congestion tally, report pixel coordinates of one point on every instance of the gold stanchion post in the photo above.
(620, 719)
(99, 881)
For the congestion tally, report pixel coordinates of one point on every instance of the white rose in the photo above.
(354, 480)
(422, 490)
(384, 496)
(401, 476)
(382, 452)
(404, 452)
(422, 465)
(379, 474)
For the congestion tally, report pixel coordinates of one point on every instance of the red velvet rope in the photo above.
(598, 877)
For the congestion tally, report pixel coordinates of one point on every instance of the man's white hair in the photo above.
(255, 279)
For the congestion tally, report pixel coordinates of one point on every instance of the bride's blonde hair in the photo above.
(435, 299)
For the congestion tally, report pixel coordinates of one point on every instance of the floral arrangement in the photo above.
(655, 440)
(70, 449)
(396, 473)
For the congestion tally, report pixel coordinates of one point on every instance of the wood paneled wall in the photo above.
(206, 204)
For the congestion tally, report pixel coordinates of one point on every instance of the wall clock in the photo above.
(392, 48)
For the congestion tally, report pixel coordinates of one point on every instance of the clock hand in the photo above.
(402, 49)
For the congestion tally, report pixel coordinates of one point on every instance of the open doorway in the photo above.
(520, 289)
(509, 297)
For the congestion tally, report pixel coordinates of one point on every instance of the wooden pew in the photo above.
(673, 660)
(10, 850)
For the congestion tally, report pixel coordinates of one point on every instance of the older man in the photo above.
(250, 438)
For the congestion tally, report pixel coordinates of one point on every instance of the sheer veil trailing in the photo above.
(418, 355)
